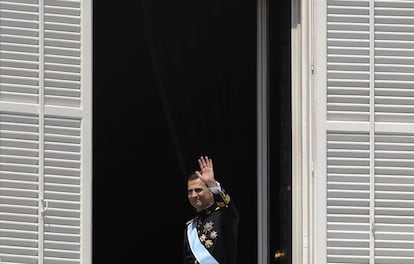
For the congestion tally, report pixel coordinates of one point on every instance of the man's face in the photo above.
(199, 195)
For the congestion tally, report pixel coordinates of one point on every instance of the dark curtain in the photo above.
(173, 80)
(204, 57)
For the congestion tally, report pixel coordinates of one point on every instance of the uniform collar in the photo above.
(207, 211)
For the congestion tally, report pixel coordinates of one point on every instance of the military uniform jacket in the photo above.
(217, 229)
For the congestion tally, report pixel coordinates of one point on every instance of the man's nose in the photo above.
(193, 194)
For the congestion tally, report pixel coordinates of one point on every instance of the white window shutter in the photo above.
(45, 131)
(394, 198)
(19, 51)
(367, 86)
(394, 61)
(348, 197)
(19, 188)
(348, 60)
(62, 53)
(62, 190)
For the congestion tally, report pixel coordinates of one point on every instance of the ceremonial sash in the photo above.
(202, 255)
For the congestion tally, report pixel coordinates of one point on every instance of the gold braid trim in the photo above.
(226, 200)
(225, 197)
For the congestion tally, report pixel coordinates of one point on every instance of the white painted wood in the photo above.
(45, 131)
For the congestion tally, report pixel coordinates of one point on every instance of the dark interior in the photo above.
(173, 80)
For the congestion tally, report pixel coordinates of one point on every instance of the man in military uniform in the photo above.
(211, 236)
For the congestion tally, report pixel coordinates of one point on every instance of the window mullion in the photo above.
(42, 200)
(372, 132)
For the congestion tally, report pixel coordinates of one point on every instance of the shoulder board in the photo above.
(225, 197)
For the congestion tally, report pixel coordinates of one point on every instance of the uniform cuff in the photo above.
(216, 189)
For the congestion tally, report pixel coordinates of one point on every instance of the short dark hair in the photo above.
(192, 176)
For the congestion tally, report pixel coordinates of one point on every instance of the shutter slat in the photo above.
(19, 51)
(347, 36)
(347, 197)
(62, 23)
(394, 24)
(394, 199)
(62, 189)
(19, 186)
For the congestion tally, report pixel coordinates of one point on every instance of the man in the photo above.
(211, 236)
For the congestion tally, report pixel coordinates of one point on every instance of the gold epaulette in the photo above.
(226, 200)
(225, 197)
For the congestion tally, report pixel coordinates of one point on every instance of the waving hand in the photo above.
(206, 172)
